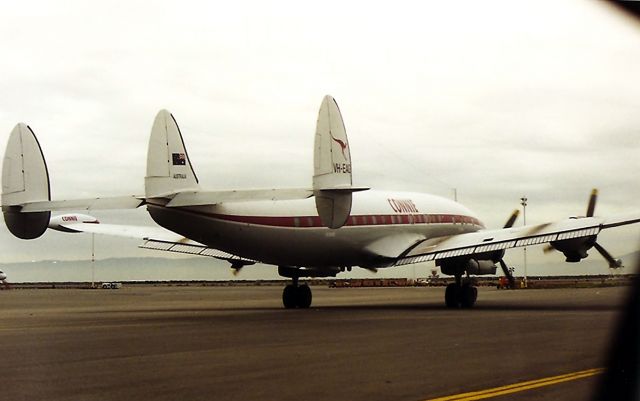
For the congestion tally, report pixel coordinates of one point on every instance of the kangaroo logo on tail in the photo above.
(343, 145)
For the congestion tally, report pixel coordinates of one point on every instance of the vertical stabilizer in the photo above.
(332, 166)
(169, 169)
(332, 157)
(25, 179)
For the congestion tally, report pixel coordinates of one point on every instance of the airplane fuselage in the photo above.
(290, 232)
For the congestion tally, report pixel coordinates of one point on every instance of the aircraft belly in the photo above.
(272, 245)
(292, 246)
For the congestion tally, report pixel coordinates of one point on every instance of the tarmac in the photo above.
(238, 343)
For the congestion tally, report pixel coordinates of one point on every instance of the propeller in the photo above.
(237, 265)
(512, 219)
(613, 263)
(591, 207)
(505, 269)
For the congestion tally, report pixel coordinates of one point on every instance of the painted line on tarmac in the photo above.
(523, 386)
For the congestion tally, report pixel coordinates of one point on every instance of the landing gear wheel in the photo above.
(468, 296)
(460, 296)
(295, 296)
(303, 299)
(451, 297)
(289, 296)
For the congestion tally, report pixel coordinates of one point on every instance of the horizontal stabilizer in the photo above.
(197, 198)
(119, 202)
(342, 189)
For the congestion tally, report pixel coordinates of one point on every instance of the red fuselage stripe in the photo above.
(359, 220)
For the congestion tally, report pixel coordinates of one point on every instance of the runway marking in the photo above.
(523, 386)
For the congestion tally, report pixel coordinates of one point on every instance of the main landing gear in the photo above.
(460, 295)
(296, 296)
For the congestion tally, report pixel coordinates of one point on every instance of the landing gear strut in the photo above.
(296, 296)
(460, 295)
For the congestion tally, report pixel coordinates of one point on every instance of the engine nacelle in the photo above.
(26, 225)
(458, 266)
(575, 249)
(295, 272)
(59, 223)
(481, 267)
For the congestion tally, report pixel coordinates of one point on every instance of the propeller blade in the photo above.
(507, 274)
(548, 248)
(592, 202)
(613, 263)
(512, 219)
(236, 266)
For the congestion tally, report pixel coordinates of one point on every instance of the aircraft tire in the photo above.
(468, 296)
(289, 296)
(304, 297)
(452, 296)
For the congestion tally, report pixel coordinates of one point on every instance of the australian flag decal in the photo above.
(179, 159)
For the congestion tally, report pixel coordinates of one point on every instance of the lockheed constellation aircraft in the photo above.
(307, 232)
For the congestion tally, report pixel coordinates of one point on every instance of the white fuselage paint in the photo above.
(289, 233)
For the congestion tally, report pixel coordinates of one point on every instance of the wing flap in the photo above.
(194, 249)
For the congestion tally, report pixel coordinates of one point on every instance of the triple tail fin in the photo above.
(332, 183)
(169, 169)
(25, 179)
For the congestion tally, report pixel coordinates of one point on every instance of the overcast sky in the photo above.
(496, 99)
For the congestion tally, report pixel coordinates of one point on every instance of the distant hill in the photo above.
(132, 269)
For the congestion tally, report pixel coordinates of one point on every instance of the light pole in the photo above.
(93, 260)
(523, 202)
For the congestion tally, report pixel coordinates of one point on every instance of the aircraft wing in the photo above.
(156, 238)
(495, 240)
(138, 232)
(193, 248)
